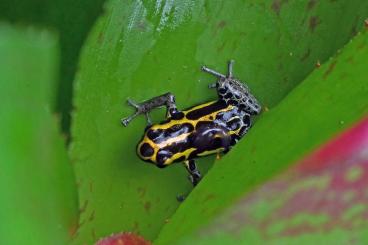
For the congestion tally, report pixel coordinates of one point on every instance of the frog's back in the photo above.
(205, 129)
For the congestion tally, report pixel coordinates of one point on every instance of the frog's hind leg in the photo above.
(194, 174)
(145, 107)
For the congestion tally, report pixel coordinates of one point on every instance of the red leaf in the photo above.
(325, 193)
(124, 238)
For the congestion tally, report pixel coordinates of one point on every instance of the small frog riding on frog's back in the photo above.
(210, 128)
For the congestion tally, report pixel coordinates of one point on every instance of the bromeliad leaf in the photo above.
(321, 199)
(141, 49)
(329, 100)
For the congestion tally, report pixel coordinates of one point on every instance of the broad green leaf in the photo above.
(329, 100)
(141, 49)
(38, 201)
(321, 199)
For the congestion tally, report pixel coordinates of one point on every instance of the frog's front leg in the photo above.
(218, 74)
(194, 174)
(145, 107)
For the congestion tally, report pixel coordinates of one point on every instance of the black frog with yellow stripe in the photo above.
(209, 128)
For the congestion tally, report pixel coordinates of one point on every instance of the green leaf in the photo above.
(38, 202)
(329, 100)
(72, 19)
(143, 49)
(320, 199)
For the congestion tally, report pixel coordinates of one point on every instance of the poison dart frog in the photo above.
(209, 128)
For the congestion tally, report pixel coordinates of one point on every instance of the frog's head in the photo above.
(237, 93)
(234, 91)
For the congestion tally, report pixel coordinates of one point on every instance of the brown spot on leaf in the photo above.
(79, 183)
(73, 230)
(209, 197)
(366, 23)
(311, 4)
(84, 207)
(354, 30)
(306, 55)
(92, 216)
(277, 4)
(253, 149)
(280, 66)
(221, 24)
(314, 21)
(221, 47)
(135, 226)
(318, 64)
(147, 206)
(93, 233)
(141, 191)
(329, 70)
(100, 38)
(350, 60)
(361, 45)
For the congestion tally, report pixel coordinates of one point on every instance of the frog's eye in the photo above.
(146, 150)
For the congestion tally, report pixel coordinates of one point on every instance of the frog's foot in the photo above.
(181, 198)
(125, 121)
(194, 175)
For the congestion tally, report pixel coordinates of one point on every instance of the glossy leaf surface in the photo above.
(329, 100)
(141, 49)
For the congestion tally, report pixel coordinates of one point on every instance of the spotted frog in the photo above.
(209, 128)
